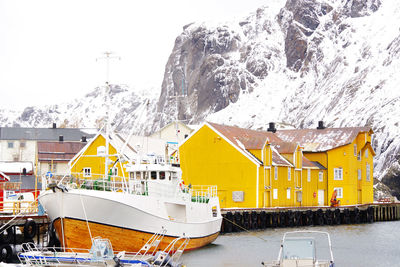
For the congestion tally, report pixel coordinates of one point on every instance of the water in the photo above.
(376, 244)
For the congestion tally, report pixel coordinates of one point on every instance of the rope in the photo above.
(248, 231)
(84, 212)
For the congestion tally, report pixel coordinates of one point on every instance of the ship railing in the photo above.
(95, 182)
(202, 193)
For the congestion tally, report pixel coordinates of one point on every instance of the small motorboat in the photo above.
(298, 249)
(102, 254)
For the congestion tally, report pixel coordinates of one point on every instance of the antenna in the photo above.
(107, 57)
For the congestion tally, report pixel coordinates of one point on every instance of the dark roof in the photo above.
(319, 165)
(28, 181)
(58, 151)
(251, 139)
(44, 134)
(316, 140)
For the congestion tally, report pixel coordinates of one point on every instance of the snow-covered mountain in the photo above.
(294, 62)
(126, 108)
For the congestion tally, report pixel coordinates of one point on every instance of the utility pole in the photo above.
(107, 57)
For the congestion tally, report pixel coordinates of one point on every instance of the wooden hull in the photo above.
(76, 235)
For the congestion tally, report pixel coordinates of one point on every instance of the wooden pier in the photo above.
(236, 220)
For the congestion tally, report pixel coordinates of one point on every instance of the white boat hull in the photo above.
(128, 220)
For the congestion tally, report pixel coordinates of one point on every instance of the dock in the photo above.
(239, 219)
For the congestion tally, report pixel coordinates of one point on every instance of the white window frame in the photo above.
(359, 174)
(355, 150)
(359, 156)
(276, 173)
(289, 174)
(308, 175)
(288, 193)
(101, 150)
(338, 173)
(321, 176)
(87, 172)
(275, 193)
(366, 153)
(339, 191)
(368, 172)
(10, 144)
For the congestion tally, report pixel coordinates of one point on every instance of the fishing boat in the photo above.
(102, 254)
(298, 248)
(129, 212)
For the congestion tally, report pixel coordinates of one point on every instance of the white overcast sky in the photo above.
(48, 48)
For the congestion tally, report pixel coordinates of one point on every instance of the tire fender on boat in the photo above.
(30, 229)
(5, 253)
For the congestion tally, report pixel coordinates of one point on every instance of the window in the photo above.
(355, 149)
(10, 144)
(337, 174)
(359, 156)
(321, 176)
(288, 193)
(368, 173)
(366, 153)
(114, 171)
(101, 150)
(309, 175)
(359, 174)
(138, 175)
(275, 193)
(339, 191)
(162, 175)
(131, 175)
(288, 174)
(22, 144)
(276, 173)
(87, 172)
(53, 167)
(153, 175)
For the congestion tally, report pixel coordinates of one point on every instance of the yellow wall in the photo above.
(207, 159)
(96, 163)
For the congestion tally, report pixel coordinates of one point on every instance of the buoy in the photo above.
(29, 229)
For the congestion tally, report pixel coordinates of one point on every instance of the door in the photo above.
(321, 197)
(222, 199)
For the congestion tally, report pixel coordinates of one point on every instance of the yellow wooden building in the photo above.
(275, 169)
(89, 163)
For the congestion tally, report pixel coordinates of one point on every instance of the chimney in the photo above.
(271, 127)
(61, 138)
(83, 139)
(54, 125)
(321, 125)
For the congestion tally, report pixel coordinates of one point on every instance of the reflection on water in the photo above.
(376, 244)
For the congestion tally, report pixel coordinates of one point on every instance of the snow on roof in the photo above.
(15, 166)
(316, 140)
(278, 159)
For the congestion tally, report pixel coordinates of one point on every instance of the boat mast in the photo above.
(107, 57)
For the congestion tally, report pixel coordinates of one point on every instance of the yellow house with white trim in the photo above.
(255, 169)
(89, 163)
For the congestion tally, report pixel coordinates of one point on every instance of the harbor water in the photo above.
(376, 244)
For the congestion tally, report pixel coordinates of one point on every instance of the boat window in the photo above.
(162, 175)
(153, 175)
(173, 174)
(168, 175)
(145, 175)
(138, 175)
(132, 175)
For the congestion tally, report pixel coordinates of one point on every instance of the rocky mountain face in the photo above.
(294, 62)
(126, 108)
